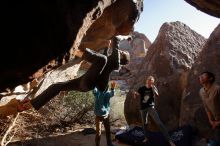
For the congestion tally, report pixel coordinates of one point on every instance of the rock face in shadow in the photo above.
(36, 32)
(169, 60)
(192, 107)
(63, 73)
(210, 7)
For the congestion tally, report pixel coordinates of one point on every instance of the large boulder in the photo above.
(192, 110)
(211, 7)
(37, 32)
(169, 60)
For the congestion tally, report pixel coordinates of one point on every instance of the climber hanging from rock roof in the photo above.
(96, 76)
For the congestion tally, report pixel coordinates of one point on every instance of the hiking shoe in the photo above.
(88, 131)
(24, 105)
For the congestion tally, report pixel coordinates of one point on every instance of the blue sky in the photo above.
(157, 12)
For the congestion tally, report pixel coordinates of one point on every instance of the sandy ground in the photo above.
(72, 139)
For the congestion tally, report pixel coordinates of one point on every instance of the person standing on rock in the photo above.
(102, 108)
(96, 76)
(210, 95)
(147, 94)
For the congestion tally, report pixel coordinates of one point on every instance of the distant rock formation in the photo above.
(192, 110)
(137, 45)
(169, 60)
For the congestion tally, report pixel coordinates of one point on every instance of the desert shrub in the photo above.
(80, 105)
(74, 107)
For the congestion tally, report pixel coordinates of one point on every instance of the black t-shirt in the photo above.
(147, 97)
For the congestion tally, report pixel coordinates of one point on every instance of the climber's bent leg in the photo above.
(46, 95)
(85, 83)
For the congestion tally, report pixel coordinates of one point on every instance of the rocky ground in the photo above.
(68, 134)
(74, 138)
(47, 127)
